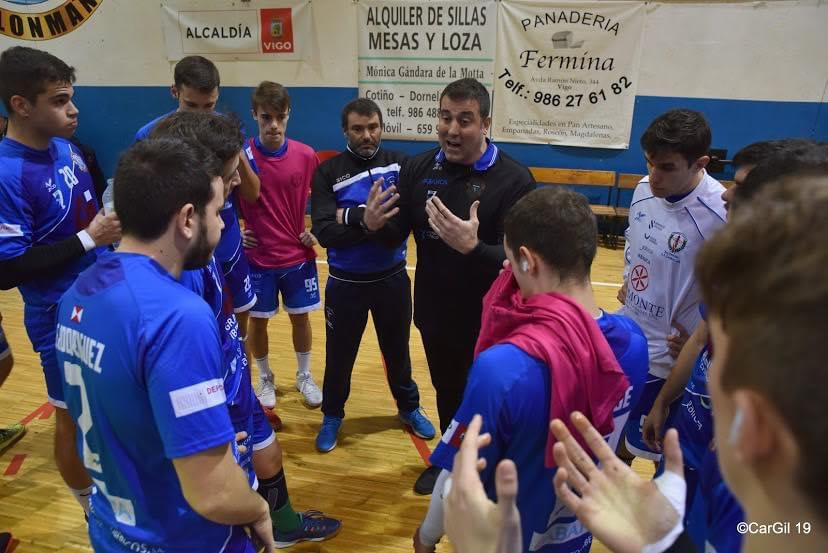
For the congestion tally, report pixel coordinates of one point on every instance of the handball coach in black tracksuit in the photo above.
(454, 198)
(365, 274)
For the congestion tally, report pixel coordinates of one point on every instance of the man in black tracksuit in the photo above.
(454, 198)
(365, 274)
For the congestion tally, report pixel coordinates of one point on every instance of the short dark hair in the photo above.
(765, 275)
(469, 89)
(196, 72)
(27, 72)
(271, 95)
(361, 106)
(558, 225)
(221, 134)
(156, 177)
(682, 131)
(798, 157)
(757, 152)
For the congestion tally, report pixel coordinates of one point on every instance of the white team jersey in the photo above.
(662, 241)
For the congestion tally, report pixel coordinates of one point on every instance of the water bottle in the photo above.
(108, 198)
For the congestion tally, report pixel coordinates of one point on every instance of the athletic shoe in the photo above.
(425, 482)
(419, 423)
(267, 392)
(10, 435)
(326, 439)
(309, 389)
(314, 527)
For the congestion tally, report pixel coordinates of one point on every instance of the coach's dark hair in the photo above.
(360, 106)
(468, 89)
(221, 134)
(798, 157)
(27, 72)
(756, 153)
(765, 276)
(558, 225)
(196, 72)
(682, 131)
(156, 177)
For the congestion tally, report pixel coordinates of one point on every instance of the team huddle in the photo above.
(525, 364)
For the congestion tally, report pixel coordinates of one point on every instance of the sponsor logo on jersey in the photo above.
(7, 229)
(346, 176)
(640, 278)
(655, 225)
(677, 242)
(645, 248)
(79, 162)
(198, 397)
(53, 18)
(77, 314)
(435, 182)
(640, 215)
(455, 433)
(650, 238)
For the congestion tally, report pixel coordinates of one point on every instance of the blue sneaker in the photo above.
(326, 439)
(419, 423)
(315, 527)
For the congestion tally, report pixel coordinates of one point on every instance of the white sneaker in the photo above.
(267, 392)
(309, 389)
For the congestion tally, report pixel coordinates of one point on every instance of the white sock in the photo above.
(82, 496)
(264, 368)
(303, 360)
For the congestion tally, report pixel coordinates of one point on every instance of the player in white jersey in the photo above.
(674, 209)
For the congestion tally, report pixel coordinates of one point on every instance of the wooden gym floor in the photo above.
(366, 481)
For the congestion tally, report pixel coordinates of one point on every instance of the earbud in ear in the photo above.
(736, 426)
(524, 266)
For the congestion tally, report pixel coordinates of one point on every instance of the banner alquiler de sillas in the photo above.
(44, 19)
(410, 50)
(566, 72)
(220, 31)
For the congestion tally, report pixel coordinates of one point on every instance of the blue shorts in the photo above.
(41, 326)
(237, 274)
(5, 349)
(248, 417)
(635, 424)
(299, 286)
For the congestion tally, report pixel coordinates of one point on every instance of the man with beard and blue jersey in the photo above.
(141, 363)
(365, 275)
(261, 454)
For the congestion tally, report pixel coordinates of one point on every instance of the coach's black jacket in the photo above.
(449, 286)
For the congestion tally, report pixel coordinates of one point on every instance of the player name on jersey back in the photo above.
(77, 344)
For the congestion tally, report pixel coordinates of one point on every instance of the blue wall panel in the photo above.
(111, 115)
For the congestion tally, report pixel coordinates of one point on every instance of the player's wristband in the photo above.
(86, 240)
(674, 488)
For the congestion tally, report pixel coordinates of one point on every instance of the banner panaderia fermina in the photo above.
(566, 73)
(410, 50)
(237, 31)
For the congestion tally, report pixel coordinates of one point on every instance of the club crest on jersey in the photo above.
(677, 242)
(77, 314)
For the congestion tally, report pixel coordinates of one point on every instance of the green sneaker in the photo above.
(10, 435)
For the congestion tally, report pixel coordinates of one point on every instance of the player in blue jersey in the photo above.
(141, 361)
(541, 349)
(196, 89)
(50, 226)
(262, 459)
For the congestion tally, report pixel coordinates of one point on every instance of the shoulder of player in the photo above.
(300, 148)
(504, 366)
(422, 161)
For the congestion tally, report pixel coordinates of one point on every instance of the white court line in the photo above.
(594, 282)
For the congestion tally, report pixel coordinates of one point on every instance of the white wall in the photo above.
(772, 50)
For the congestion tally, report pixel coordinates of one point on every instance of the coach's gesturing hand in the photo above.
(459, 234)
(380, 206)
